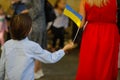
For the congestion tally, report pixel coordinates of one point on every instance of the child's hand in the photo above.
(68, 46)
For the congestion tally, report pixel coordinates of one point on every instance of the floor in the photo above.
(63, 70)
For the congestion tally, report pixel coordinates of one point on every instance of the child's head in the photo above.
(20, 26)
(1, 10)
(60, 4)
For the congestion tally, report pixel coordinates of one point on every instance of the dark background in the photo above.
(118, 3)
(118, 15)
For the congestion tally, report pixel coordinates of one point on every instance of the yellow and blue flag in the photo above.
(76, 17)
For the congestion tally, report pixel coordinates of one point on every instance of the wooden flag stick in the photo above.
(76, 35)
(78, 31)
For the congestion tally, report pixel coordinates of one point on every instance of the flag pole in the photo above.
(79, 30)
(76, 35)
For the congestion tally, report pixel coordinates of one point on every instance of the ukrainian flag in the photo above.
(76, 17)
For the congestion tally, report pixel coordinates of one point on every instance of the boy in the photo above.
(19, 53)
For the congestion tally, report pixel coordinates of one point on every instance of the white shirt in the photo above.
(60, 21)
(17, 61)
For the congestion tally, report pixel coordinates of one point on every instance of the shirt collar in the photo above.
(25, 39)
(22, 39)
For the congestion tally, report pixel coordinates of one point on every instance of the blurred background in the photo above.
(73, 3)
(67, 67)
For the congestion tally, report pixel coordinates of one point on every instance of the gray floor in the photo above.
(63, 70)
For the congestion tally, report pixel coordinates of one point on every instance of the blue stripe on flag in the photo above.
(74, 12)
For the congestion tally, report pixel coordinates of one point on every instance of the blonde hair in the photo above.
(98, 3)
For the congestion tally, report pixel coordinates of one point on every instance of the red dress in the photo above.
(100, 44)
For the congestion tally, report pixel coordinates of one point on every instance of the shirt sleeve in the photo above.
(46, 56)
(2, 65)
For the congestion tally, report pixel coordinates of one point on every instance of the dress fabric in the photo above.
(98, 59)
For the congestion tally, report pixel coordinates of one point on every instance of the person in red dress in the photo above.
(100, 42)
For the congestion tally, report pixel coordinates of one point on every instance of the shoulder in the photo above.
(31, 44)
(9, 42)
(26, 43)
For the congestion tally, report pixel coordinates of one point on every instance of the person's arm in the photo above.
(48, 57)
(2, 65)
(82, 11)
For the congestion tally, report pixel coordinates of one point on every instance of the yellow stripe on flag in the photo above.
(72, 15)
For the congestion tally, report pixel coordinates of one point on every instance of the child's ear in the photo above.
(30, 30)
